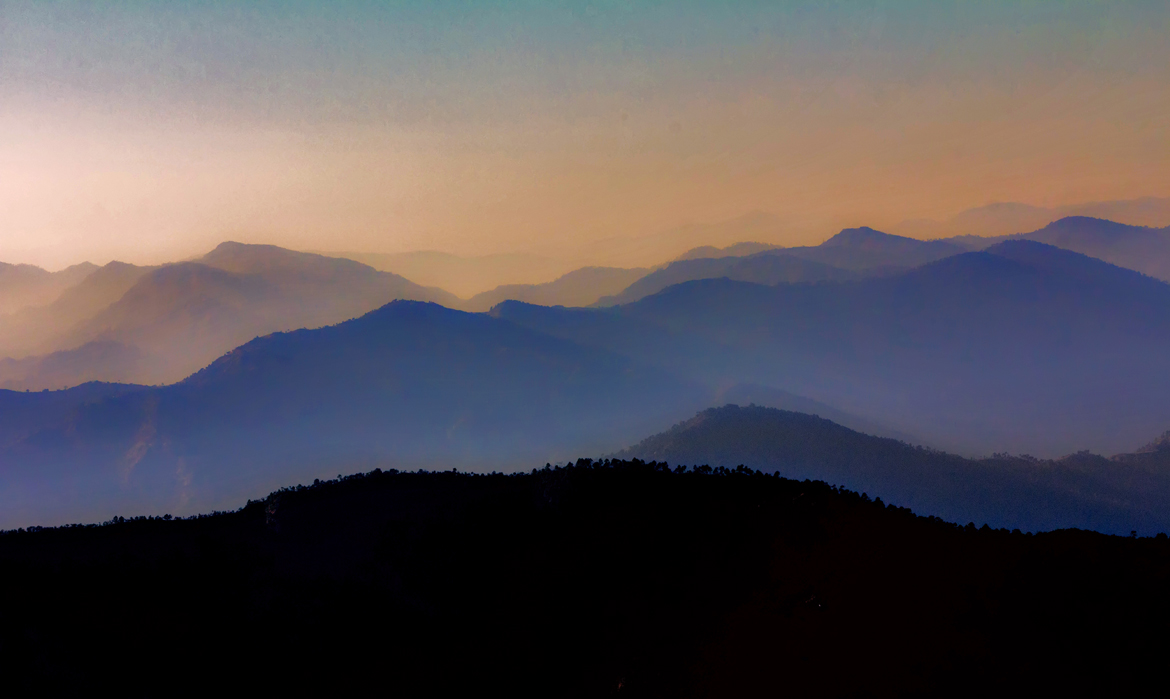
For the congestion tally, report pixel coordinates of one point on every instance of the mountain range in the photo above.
(1022, 347)
(1146, 250)
(770, 268)
(158, 325)
(23, 286)
(410, 384)
(581, 287)
(868, 249)
(464, 276)
(1009, 218)
(40, 329)
(737, 250)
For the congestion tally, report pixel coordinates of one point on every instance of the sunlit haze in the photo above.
(149, 132)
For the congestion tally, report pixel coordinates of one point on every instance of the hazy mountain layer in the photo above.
(409, 384)
(867, 249)
(24, 286)
(736, 250)
(1146, 250)
(465, 276)
(767, 397)
(170, 321)
(582, 287)
(112, 361)
(1127, 492)
(1024, 347)
(853, 253)
(760, 268)
(24, 414)
(40, 330)
(1010, 218)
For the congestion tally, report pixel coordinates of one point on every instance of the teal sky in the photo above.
(156, 129)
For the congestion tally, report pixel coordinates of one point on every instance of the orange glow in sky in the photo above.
(153, 132)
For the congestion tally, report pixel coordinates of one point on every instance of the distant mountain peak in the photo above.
(252, 254)
(231, 244)
(406, 308)
(861, 235)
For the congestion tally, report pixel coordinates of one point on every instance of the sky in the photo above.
(151, 131)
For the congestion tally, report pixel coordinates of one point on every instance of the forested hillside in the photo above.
(598, 579)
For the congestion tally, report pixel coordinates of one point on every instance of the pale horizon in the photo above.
(151, 133)
(906, 227)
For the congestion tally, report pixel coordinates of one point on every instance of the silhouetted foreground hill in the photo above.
(598, 579)
(1128, 492)
(409, 384)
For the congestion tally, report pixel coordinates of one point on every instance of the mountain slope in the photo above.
(180, 317)
(348, 284)
(976, 352)
(114, 361)
(1114, 496)
(410, 383)
(23, 414)
(1146, 250)
(582, 287)
(737, 250)
(867, 249)
(188, 313)
(767, 397)
(43, 329)
(24, 286)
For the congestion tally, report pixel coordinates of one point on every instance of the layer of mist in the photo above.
(1022, 346)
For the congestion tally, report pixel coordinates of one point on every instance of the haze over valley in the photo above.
(208, 390)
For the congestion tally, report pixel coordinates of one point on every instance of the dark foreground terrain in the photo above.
(622, 578)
